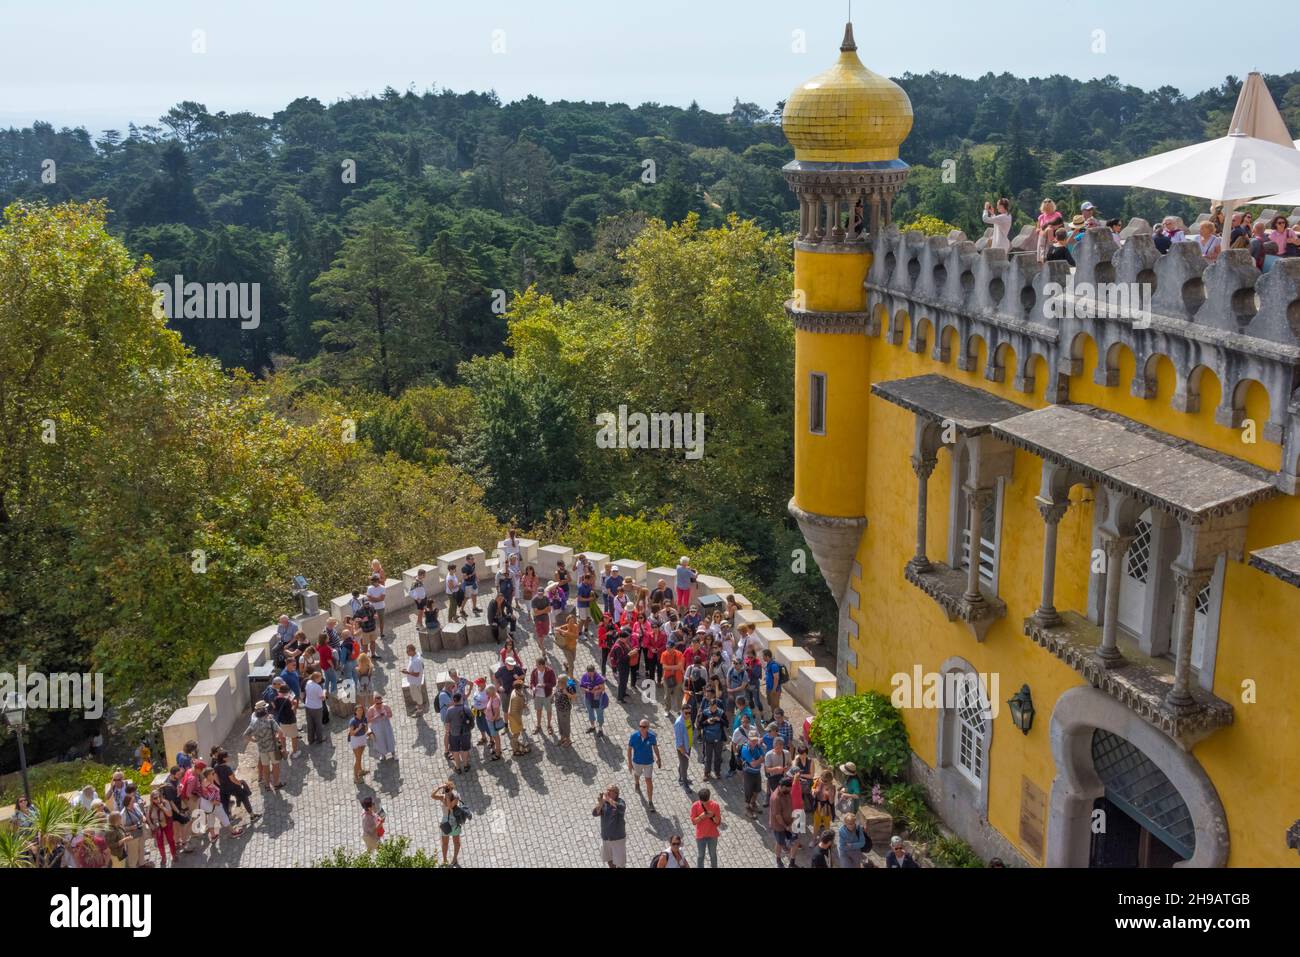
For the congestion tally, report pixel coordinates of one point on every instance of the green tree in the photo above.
(382, 330)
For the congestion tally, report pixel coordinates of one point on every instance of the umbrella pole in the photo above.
(1225, 240)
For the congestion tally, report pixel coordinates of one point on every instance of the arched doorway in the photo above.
(1145, 821)
(1160, 803)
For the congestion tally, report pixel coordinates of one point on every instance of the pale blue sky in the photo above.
(101, 63)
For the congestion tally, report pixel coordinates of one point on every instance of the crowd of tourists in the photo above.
(1056, 237)
(720, 688)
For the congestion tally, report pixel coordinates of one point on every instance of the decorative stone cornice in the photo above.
(946, 585)
(1140, 687)
(844, 323)
(1280, 561)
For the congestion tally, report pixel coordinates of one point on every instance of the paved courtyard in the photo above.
(530, 811)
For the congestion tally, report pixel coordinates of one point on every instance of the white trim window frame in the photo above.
(959, 539)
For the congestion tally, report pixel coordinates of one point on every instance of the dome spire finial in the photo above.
(848, 45)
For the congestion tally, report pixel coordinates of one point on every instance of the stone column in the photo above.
(819, 207)
(923, 467)
(874, 221)
(1052, 513)
(1189, 583)
(803, 216)
(837, 233)
(976, 499)
(1116, 548)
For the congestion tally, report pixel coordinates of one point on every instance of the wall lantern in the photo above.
(1022, 709)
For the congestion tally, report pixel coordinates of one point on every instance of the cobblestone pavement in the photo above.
(530, 811)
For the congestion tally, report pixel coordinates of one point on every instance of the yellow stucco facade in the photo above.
(1248, 771)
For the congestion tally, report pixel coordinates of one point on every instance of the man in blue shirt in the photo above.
(772, 675)
(682, 741)
(290, 676)
(642, 756)
(751, 760)
(585, 590)
(613, 582)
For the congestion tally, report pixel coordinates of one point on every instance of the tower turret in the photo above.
(846, 126)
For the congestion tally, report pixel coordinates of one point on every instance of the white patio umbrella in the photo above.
(1232, 168)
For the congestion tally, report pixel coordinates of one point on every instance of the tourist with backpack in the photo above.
(454, 816)
(671, 856)
(775, 675)
(459, 722)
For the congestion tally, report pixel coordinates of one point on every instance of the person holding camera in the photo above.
(612, 812)
(1000, 220)
(454, 816)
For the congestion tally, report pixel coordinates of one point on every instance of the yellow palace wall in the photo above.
(861, 467)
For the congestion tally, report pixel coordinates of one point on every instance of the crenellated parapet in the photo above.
(1225, 316)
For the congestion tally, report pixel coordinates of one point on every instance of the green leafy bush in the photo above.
(930, 225)
(865, 729)
(906, 802)
(954, 852)
(392, 852)
(62, 776)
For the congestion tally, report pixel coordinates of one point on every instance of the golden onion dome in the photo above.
(847, 114)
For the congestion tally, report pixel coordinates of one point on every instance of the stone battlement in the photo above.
(1225, 316)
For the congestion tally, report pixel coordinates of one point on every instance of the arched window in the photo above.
(971, 716)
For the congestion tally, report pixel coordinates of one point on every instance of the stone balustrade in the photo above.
(218, 704)
(1226, 316)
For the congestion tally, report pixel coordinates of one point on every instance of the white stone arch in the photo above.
(1078, 713)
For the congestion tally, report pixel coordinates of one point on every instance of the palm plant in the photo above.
(15, 849)
(54, 818)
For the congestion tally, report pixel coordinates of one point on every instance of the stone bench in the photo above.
(742, 601)
(825, 694)
(668, 575)
(632, 571)
(805, 685)
(191, 723)
(772, 638)
(219, 698)
(712, 585)
(548, 556)
(748, 616)
(430, 639)
(527, 551)
(233, 669)
(794, 658)
(455, 637)
(434, 577)
(259, 645)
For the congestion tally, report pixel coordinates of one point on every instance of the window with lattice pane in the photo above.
(971, 711)
(1203, 601)
(1138, 566)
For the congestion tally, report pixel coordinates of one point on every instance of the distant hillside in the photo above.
(498, 196)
